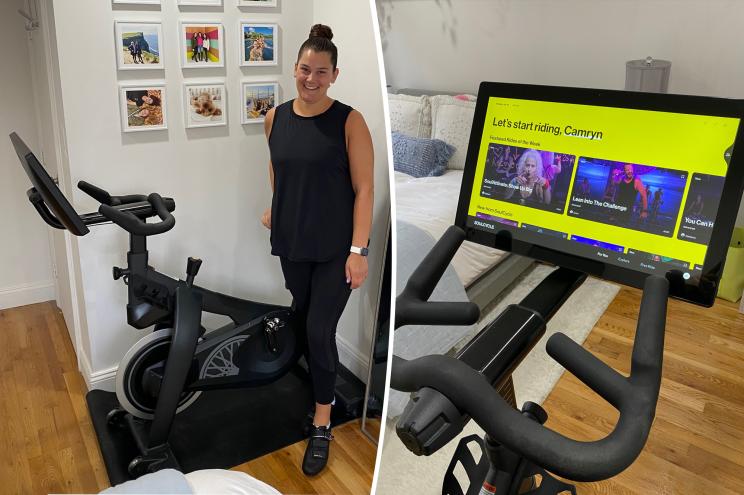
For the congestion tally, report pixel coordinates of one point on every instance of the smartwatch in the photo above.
(359, 250)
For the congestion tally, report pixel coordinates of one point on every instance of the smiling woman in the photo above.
(321, 172)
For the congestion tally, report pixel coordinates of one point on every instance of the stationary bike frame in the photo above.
(156, 299)
(263, 352)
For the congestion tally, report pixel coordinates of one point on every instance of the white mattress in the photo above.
(430, 203)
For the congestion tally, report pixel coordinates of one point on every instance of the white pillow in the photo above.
(410, 115)
(451, 120)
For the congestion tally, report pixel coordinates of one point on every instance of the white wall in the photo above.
(359, 85)
(218, 176)
(25, 263)
(454, 45)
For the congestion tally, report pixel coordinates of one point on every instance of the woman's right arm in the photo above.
(268, 122)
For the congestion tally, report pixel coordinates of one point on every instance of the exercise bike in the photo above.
(166, 371)
(517, 449)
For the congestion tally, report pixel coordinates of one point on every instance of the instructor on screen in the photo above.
(628, 187)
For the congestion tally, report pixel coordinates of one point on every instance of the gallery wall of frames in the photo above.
(203, 42)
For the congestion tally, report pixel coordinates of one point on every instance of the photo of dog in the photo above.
(204, 104)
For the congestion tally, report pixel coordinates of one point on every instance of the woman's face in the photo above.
(314, 74)
(530, 167)
(147, 99)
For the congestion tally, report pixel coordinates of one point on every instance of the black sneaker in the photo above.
(307, 422)
(316, 453)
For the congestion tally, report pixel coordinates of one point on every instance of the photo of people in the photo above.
(258, 99)
(201, 45)
(631, 195)
(535, 178)
(139, 45)
(204, 105)
(258, 44)
(143, 108)
(701, 207)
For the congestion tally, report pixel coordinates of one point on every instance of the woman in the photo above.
(529, 184)
(321, 173)
(205, 47)
(151, 108)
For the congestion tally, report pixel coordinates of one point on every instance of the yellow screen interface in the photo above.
(634, 188)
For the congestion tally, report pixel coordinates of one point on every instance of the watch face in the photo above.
(365, 251)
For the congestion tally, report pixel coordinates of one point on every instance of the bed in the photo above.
(430, 203)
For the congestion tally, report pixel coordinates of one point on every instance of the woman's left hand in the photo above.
(356, 270)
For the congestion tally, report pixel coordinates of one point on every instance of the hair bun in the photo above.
(321, 31)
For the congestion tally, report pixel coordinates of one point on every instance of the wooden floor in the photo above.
(696, 445)
(349, 469)
(47, 438)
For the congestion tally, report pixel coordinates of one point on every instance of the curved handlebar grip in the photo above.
(409, 312)
(103, 196)
(635, 397)
(95, 192)
(41, 208)
(137, 226)
(412, 306)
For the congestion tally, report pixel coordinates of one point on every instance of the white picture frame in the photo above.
(129, 36)
(209, 3)
(270, 41)
(185, 36)
(136, 2)
(133, 100)
(216, 92)
(253, 94)
(256, 3)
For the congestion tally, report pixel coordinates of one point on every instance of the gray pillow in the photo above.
(420, 157)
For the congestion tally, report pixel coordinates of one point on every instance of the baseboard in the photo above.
(21, 295)
(350, 357)
(100, 380)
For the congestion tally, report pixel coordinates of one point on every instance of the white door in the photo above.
(44, 73)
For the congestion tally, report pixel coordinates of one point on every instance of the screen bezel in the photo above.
(702, 291)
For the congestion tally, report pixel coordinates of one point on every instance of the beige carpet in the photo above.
(403, 472)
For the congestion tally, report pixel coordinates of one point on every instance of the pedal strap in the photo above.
(476, 473)
(319, 440)
(322, 434)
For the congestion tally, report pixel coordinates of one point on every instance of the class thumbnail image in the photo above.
(529, 177)
(628, 195)
(699, 214)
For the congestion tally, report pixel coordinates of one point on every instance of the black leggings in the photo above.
(320, 293)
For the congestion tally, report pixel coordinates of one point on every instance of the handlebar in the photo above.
(105, 198)
(115, 209)
(634, 397)
(136, 225)
(412, 305)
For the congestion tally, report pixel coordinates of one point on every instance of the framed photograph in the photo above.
(139, 45)
(200, 2)
(202, 45)
(204, 104)
(142, 107)
(256, 3)
(258, 44)
(256, 100)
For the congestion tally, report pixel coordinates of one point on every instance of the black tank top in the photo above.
(626, 194)
(312, 211)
